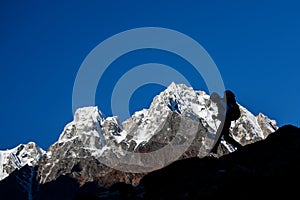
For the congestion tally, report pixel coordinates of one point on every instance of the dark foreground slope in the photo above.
(268, 168)
(264, 169)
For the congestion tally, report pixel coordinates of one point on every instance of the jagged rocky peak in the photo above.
(267, 125)
(86, 122)
(91, 148)
(250, 128)
(24, 154)
(89, 126)
(89, 132)
(173, 115)
(183, 100)
(176, 106)
(73, 145)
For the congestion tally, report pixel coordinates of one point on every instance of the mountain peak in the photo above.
(24, 154)
(86, 121)
(176, 115)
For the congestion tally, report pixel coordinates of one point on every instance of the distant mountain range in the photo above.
(98, 157)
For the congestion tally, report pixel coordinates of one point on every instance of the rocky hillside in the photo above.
(265, 169)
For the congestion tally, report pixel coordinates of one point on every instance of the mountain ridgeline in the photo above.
(88, 162)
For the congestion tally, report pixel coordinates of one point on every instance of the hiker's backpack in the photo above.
(233, 109)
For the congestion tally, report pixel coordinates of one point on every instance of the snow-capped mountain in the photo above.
(24, 154)
(249, 128)
(194, 105)
(93, 147)
(90, 144)
(178, 124)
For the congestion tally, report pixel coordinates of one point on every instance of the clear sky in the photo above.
(255, 45)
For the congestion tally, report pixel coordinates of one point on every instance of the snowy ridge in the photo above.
(90, 135)
(267, 125)
(143, 125)
(249, 128)
(179, 98)
(86, 122)
(24, 154)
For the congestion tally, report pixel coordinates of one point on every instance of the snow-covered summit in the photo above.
(177, 98)
(173, 115)
(85, 125)
(88, 132)
(96, 132)
(24, 154)
(185, 101)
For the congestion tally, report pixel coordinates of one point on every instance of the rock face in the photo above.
(249, 128)
(92, 147)
(263, 169)
(179, 124)
(16, 158)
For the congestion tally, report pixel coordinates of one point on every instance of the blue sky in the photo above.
(255, 45)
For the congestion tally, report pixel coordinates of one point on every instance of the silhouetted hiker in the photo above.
(228, 110)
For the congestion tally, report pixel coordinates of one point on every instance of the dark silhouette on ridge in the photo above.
(228, 110)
